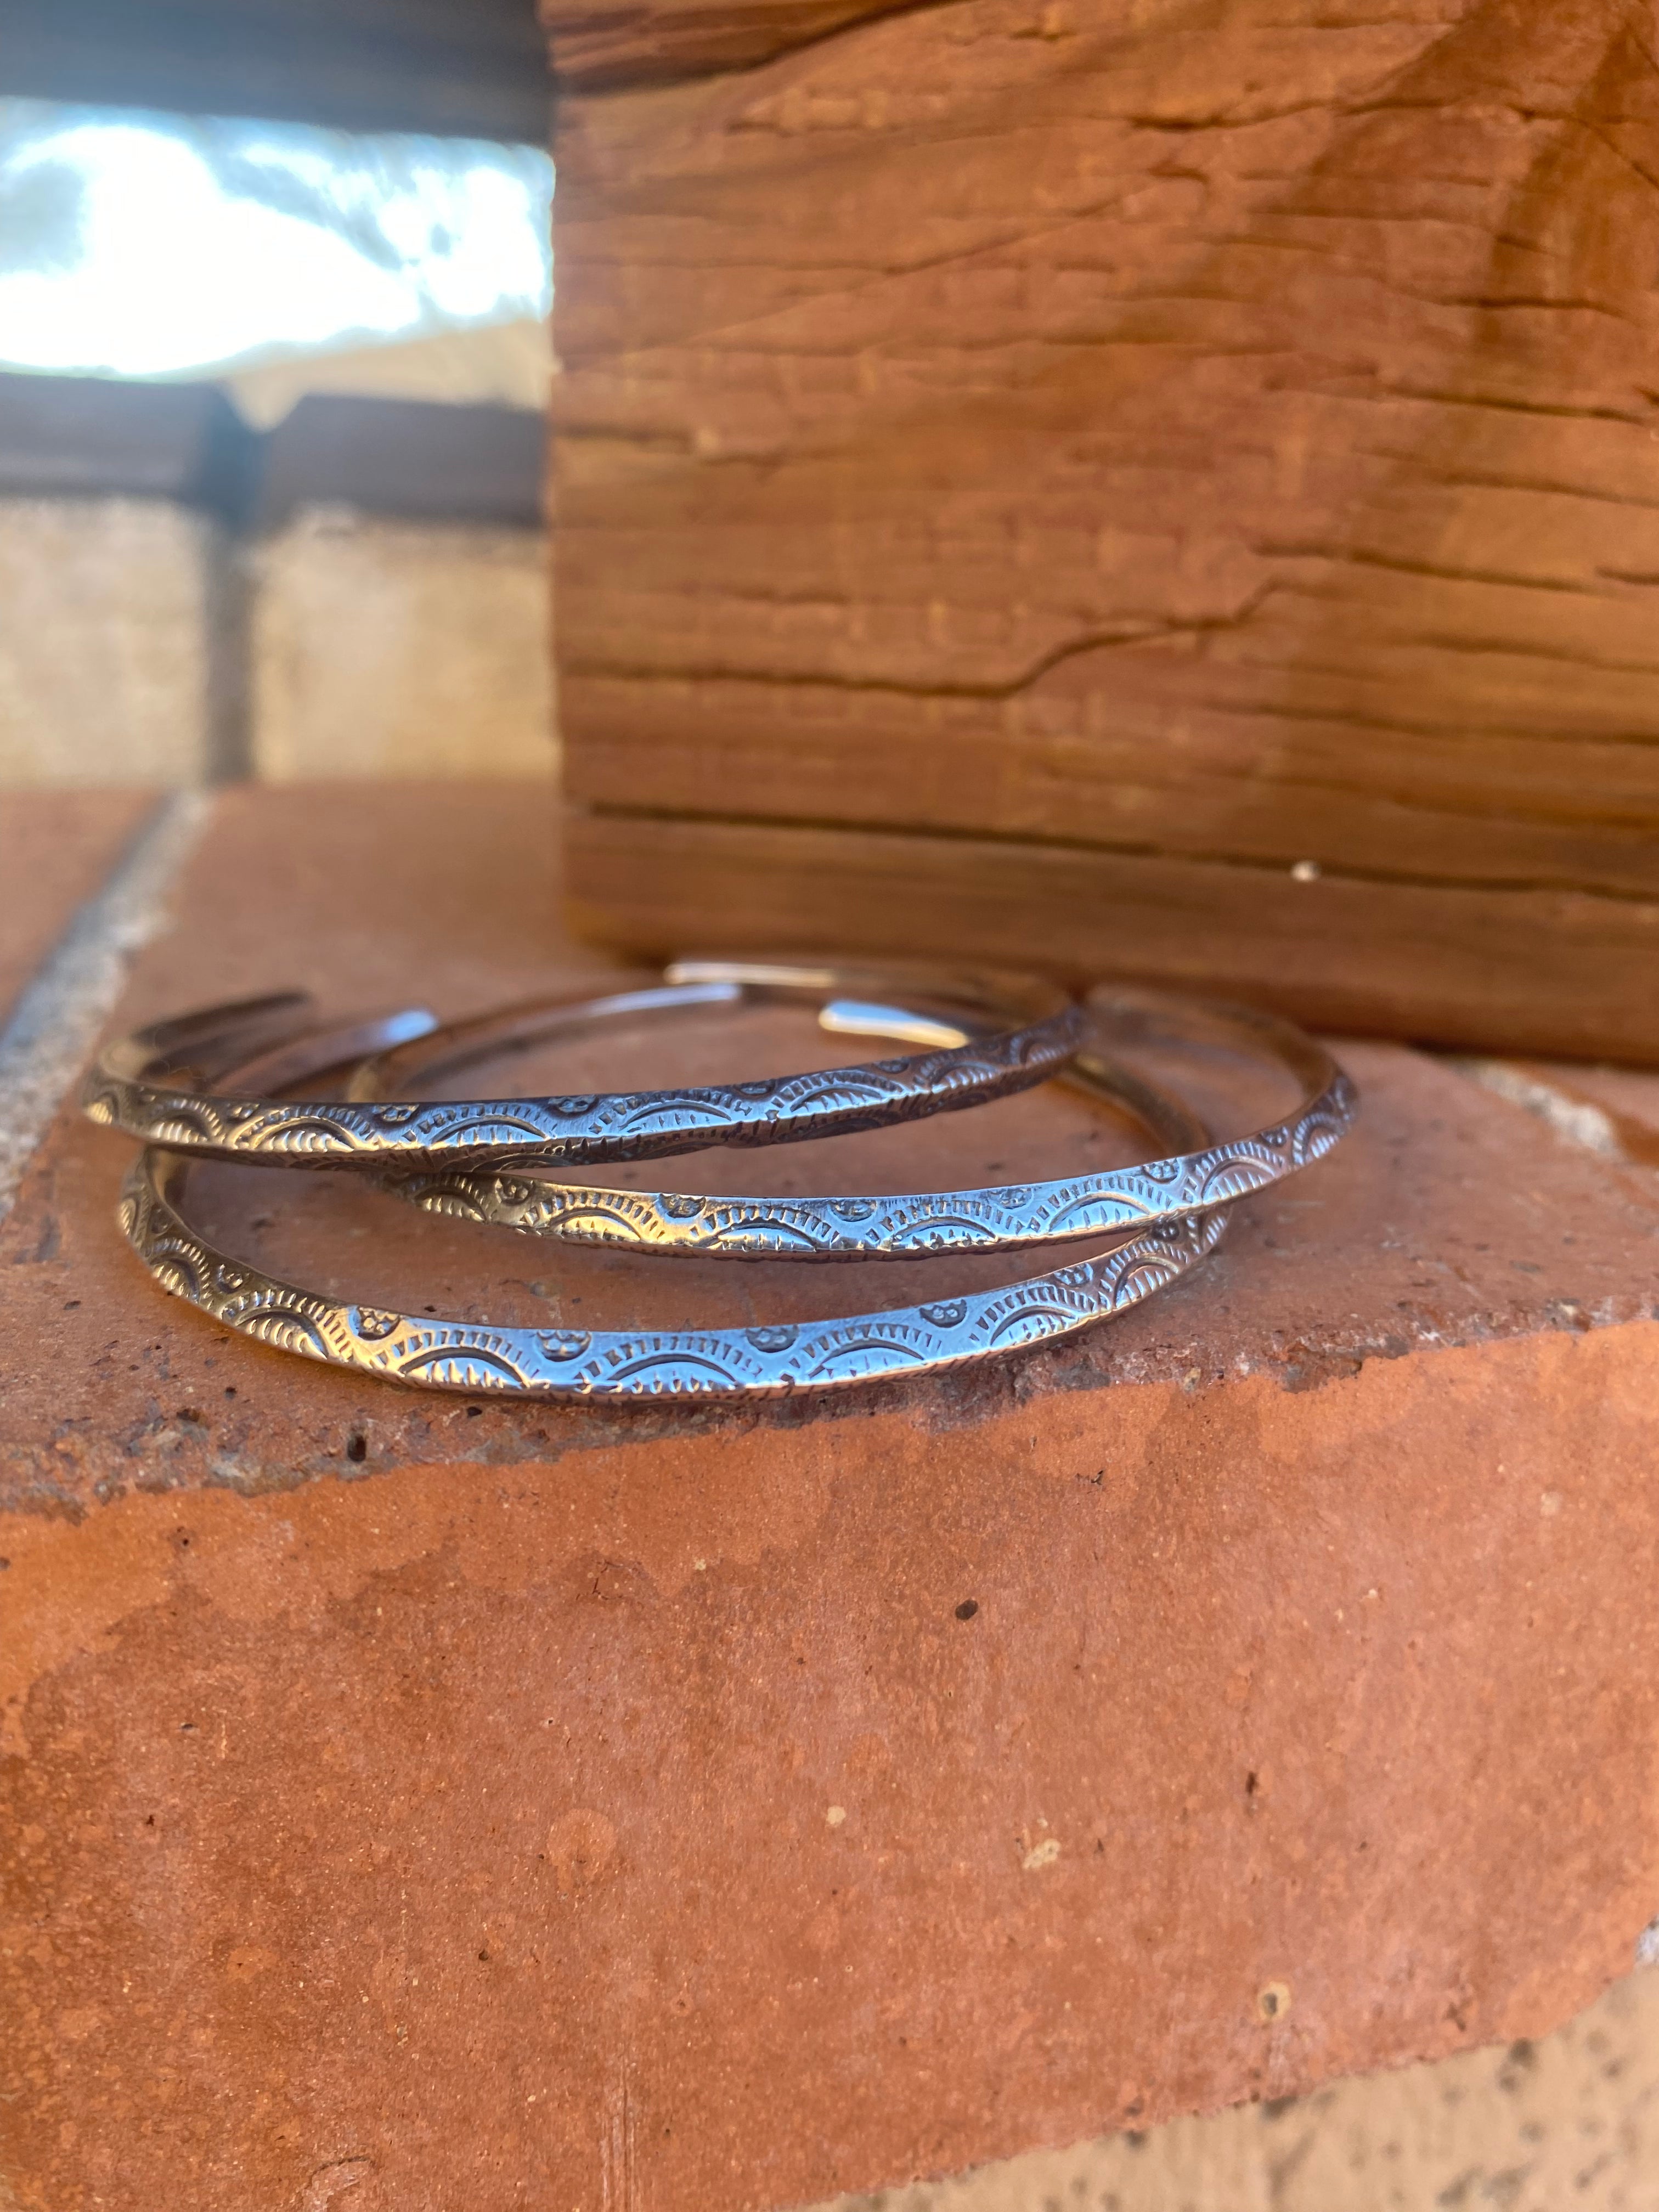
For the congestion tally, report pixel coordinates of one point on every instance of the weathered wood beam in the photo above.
(1221, 434)
(603, 47)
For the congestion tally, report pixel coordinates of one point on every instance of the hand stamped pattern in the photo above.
(648, 1364)
(555, 1131)
(910, 1226)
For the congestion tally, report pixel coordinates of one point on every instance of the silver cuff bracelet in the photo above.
(910, 1224)
(646, 1363)
(990, 1034)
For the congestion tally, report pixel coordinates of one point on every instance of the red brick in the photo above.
(459, 1822)
(56, 849)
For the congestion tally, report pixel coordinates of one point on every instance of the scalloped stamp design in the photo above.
(587, 1126)
(668, 1364)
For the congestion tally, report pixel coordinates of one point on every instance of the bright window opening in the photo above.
(155, 246)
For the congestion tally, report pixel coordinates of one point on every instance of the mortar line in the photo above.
(56, 1019)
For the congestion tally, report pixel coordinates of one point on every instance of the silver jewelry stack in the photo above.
(220, 1085)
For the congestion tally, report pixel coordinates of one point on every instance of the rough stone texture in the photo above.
(1169, 443)
(485, 1805)
(1573, 2120)
(56, 849)
(400, 649)
(111, 668)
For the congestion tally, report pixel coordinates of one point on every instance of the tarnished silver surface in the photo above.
(911, 1224)
(990, 1034)
(649, 1365)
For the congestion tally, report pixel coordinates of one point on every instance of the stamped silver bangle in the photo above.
(643, 1364)
(647, 1364)
(988, 1034)
(1003, 1218)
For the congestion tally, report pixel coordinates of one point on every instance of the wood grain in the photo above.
(604, 45)
(1499, 969)
(1225, 434)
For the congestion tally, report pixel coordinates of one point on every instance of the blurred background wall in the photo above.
(271, 409)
